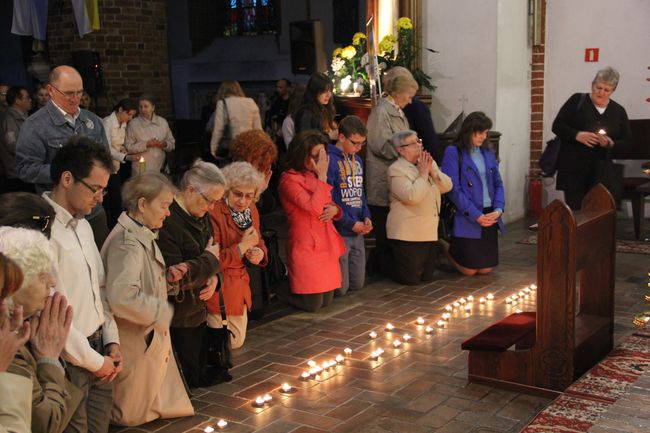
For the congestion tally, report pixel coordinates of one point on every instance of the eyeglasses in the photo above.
(418, 143)
(43, 220)
(240, 195)
(69, 95)
(94, 190)
(207, 199)
(356, 143)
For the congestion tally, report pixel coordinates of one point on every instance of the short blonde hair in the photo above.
(146, 185)
(229, 88)
(242, 174)
(30, 249)
(401, 83)
(393, 72)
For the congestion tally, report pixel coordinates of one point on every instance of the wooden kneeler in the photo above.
(574, 323)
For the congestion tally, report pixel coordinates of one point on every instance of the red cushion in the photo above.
(503, 334)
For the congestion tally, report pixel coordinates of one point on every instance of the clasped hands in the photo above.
(591, 139)
(488, 219)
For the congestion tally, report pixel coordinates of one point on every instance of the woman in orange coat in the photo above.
(236, 224)
(313, 245)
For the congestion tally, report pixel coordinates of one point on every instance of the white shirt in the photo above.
(116, 134)
(70, 118)
(80, 277)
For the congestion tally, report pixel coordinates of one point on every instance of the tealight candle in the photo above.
(481, 300)
(462, 301)
(456, 304)
(527, 290)
(380, 351)
(517, 311)
(397, 343)
(372, 335)
(305, 375)
(448, 307)
(602, 132)
(347, 351)
(440, 323)
(286, 387)
(470, 298)
(311, 363)
(259, 402)
(468, 307)
(389, 327)
(339, 359)
(514, 296)
(508, 300)
(208, 429)
(325, 365)
(490, 297)
(446, 316)
(222, 423)
(406, 337)
(521, 294)
(419, 321)
(374, 355)
(267, 398)
(428, 329)
(533, 286)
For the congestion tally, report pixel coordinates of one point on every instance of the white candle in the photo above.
(527, 290)
(448, 307)
(380, 351)
(462, 301)
(208, 429)
(305, 375)
(514, 296)
(602, 131)
(142, 165)
(311, 363)
(267, 398)
(468, 307)
(286, 387)
(517, 311)
(406, 337)
(419, 321)
(222, 423)
(533, 286)
(374, 355)
(490, 297)
(428, 329)
(440, 323)
(339, 359)
(456, 304)
(481, 300)
(259, 401)
(397, 343)
(508, 300)
(347, 351)
(446, 316)
(372, 335)
(389, 327)
(470, 298)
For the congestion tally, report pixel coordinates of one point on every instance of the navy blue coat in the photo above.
(467, 192)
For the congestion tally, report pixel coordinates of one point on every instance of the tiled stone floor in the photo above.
(420, 388)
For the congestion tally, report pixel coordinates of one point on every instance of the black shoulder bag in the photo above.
(448, 208)
(218, 346)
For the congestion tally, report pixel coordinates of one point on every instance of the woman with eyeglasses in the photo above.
(415, 184)
(186, 241)
(385, 119)
(26, 210)
(478, 195)
(317, 109)
(313, 245)
(148, 133)
(150, 386)
(236, 224)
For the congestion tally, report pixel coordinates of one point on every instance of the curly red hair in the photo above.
(255, 147)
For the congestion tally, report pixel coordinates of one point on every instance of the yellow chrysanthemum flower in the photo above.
(337, 52)
(348, 52)
(387, 43)
(404, 23)
(356, 39)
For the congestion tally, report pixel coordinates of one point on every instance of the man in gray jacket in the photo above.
(47, 130)
(20, 102)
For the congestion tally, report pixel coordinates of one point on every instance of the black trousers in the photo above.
(411, 263)
(379, 215)
(191, 351)
(113, 201)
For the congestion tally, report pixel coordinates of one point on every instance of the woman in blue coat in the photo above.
(478, 195)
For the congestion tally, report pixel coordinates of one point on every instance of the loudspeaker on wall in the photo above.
(307, 52)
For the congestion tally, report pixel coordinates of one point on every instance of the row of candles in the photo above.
(315, 370)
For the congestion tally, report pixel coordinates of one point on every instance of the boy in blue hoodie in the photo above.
(345, 174)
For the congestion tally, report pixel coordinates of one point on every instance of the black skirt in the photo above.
(477, 253)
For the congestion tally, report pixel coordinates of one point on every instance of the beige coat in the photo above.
(54, 399)
(150, 386)
(385, 120)
(141, 130)
(15, 412)
(241, 114)
(414, 202)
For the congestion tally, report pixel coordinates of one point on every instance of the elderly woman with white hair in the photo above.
(187, 240)
(150, 386)
(415, 184)
(236, 223)
(54, 398)
(589, 125)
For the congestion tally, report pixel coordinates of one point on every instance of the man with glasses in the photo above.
(20, 102)
(345, 174)
(80, 172)
(48, 130)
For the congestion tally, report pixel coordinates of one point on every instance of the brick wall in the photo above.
(537, 100)
(132, 44)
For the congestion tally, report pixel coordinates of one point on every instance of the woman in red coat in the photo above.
(236, 224)
(313, 246)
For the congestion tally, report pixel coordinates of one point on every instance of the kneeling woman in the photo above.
(236, 223)
(313, 245)
(414, 183)
(150, 386)
(478, 195)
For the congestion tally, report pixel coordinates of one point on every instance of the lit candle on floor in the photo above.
(446, 316)
(286, 388)
(468, 307)
(533, 286)
(305, 375)
(456, 304)
(470, 298)
(347, 351)
(481, 300)
(259, 401)
(380, 351)
(517, 311)
(419, 321)
(508, 300)
(397, 343)
(267, 398)
(222, 423)
(490, 297)
(208, 429)
(372, 335)
(514, 296)
(462, 301)
(428, 329)
(389, 327)
(448, 307)
(374, 355)
(406, 337)
(527, 290)
(440, 323)
(339, 359)
(311, 363)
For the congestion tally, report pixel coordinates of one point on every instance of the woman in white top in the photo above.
(149, 134)
(234, 114)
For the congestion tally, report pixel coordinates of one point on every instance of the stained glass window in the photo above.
(251, 17)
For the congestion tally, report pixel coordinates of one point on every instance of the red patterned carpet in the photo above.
(586, 399)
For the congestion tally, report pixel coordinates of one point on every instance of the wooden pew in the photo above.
(574, 322)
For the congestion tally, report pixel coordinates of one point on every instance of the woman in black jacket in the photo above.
(317, 108)
(589, 125)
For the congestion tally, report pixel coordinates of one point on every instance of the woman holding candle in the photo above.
(478, 195)
(236, 224)
(186, 241)
(313, 245)
(589, 125)
(150, 135)
(150, 386)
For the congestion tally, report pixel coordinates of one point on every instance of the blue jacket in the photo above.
(467, 193)
(43, 134)
(348, 191)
